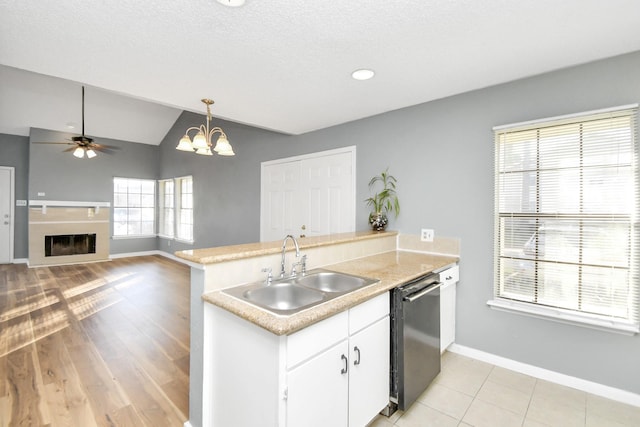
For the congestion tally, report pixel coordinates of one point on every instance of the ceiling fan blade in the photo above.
(104, 147)
(69, 149)
(66, 143)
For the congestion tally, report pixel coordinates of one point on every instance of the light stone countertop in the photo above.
(248, 250)
(391, 268)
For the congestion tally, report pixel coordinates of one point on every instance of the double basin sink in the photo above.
(290, 295)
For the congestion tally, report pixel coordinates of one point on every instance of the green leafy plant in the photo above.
(386, 200)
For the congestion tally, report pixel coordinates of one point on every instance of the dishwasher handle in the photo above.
(425, 291)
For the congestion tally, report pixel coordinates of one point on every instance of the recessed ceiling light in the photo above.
(362, 74)
(71, 125)
(232, 3)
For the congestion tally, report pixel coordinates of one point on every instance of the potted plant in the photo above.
(383, 202)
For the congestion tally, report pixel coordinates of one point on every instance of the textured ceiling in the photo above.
(285, 65)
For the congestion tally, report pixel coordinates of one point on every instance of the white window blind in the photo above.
(566, 212)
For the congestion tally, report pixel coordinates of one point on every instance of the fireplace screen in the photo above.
(69, 244)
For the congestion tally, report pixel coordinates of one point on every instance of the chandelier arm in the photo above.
(216, 129)
(196, 128)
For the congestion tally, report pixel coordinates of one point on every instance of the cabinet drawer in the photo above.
(450, 275)
(316, 338)
(368, 312)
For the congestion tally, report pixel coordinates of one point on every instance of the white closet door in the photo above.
(308, 195)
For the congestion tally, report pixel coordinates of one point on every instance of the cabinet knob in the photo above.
(357, 350)
(346, 364)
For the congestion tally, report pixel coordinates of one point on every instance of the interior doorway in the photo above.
(7, 204)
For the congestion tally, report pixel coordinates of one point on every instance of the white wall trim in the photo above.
(156, 252)
(547, 375)
(68, 203)
(20, 261)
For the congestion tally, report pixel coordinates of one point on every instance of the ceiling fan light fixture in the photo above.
(79, 152)
(91, 154)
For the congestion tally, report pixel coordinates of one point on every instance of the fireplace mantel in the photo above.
(67, 204)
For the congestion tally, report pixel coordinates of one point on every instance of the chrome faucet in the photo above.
(284, 246)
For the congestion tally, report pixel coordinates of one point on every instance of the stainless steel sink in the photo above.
(290, 295)
(331, 281)
(283, 296)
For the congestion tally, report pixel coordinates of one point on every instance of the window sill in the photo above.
(565, 316)
(146, 236)
(176, 239)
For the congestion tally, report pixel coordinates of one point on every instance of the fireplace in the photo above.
(69, 244)
(68, 232)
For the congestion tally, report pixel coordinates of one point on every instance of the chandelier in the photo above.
(201, 143)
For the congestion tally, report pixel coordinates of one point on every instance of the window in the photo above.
(167, 211)
(176, 208)
(566, 235)
(134, 207)
(184, 228)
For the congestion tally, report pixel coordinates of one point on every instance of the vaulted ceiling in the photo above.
(280, 64)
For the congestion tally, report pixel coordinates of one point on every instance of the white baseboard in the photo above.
(547, 375)
(155, 252)
(134, 254)
(20, 261)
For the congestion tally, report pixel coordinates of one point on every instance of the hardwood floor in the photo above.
(103, 344)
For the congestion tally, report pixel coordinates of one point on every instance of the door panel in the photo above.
(369, 379)
(6, 215)
(311, 196)
(318, 390)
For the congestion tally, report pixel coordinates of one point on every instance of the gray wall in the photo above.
(14, 152)
(61, 176)
(442, 154)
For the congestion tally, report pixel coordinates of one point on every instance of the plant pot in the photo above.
(378, 221)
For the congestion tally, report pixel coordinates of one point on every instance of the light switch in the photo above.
(21, 203)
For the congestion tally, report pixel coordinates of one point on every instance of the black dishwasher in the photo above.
(415, 340)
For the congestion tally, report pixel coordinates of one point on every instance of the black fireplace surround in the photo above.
(69, 244)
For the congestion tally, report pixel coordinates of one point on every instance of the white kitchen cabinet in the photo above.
(449, 279)
(332, 373)
(368, 389)
(317, 390)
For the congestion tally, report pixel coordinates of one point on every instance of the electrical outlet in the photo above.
(427, 235)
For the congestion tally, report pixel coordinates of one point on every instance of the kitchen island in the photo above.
(371, 254)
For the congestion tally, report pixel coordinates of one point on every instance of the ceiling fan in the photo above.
(83, 145)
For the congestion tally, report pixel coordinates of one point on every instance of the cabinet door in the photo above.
(369, 372)
(318, 390)
(447, 315)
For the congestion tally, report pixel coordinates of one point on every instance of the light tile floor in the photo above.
(470, 393)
